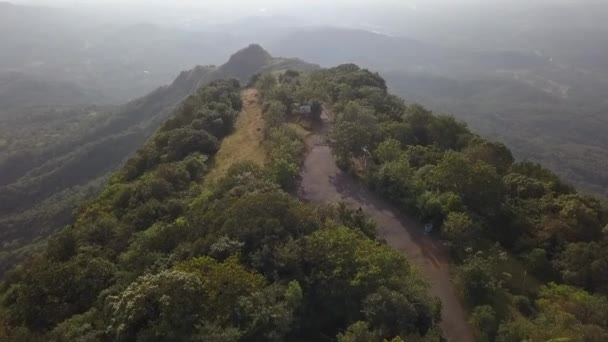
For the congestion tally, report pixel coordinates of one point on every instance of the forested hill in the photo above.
(164, 253)
(531, 252)
(51, 159)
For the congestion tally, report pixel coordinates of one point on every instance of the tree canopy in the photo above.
(163, 255)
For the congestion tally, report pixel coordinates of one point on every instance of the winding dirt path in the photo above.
(323, 181)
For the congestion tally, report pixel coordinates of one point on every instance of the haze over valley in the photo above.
(526, 79)
(395, 170)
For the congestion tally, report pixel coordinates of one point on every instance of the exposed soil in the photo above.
(323, 181)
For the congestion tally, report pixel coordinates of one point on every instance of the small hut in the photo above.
(306, 109)
(310, 110)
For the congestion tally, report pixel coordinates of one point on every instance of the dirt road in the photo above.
(322, 181)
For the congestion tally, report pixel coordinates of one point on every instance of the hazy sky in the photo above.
(244, 7)
(221, 11)
(402, 16)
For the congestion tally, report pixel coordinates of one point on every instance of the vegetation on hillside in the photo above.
(51, 159)
(531, 89)
(563, 132)
(531, 251)
(163, 255)
(247, 140)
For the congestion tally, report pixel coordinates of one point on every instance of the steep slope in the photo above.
(18, 90)
(55, 172)
(561, 125)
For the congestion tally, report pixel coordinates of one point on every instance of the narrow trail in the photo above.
(323, 181)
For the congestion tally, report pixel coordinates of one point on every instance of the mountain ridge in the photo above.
(30, 178)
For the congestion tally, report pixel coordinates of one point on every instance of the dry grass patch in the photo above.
(247, 141)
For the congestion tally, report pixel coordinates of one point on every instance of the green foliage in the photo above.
(483, 318)
(478, 277)
(80, 262)
(285, 147)
(167, 305)
(286, 150)
(448, 133)
(395, 180)
(475, 182)
(585, 264)
(266, 83)
(223, 283)
(565, 313)
(358, 279)
(359, 332)
(393, 313)
(46, 292)
(389, 150)
(585, 307)
(275, 115)
(355, 219)
(355, 132)
(495, 154)
(86, 327)
(460, 230)
(435, 168)
(159, 256)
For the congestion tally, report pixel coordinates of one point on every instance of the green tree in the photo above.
(349, 268)
(483, 318)
(389, 150)
(396, 181)
(275, 115)
(520, 186)
(476, 182)
(49, 292)
(266, 84)
(359, 332)
(584, 306)
(356, 131)
(419, 120)
(168, 306)
(419, 156)
(477, 277)
(495, 154)
(460, 229)
(400, 131)
(585, 264)
(392, 313)
(448, 133)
